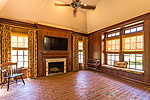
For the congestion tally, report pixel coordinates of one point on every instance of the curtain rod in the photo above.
(19, 27)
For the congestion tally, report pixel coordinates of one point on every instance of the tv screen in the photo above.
(55, 43)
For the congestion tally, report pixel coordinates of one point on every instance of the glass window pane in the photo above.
(25, 52)
(109, 35)
(127, 31)
(113, 34)
(127, 40)
(26, 45)
(26, 39)
(133, 30)
(133, 39)
(14, 44)
(14, 52)
(139, 38)
(139, 45)
(118, 33)
(20, 44)
(20, 64)
(140, 28)
(20, 52)
(14, 58)
(13, 38)
(133, 46)
(20, 58)
(20, 39)
(126, 57)
(25, 64)
(132, 61)
(25, 58)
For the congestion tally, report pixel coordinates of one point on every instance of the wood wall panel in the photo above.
(43, 54)
(94, 46)
(147, 49)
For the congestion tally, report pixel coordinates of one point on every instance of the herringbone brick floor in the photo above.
(82, 85)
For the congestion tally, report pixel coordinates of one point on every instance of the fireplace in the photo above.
(55, 66)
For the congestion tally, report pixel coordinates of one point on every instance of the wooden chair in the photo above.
(10, 71)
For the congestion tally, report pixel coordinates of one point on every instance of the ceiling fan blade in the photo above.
(57, 4)
(74, 12)
(88, 7)
(77, 0)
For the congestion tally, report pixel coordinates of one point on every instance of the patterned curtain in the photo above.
(0, 46)
(76, 39)
(75, 53)
(32, 53)
(5, 44)
(85, 52)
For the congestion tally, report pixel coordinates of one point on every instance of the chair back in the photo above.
(8, 69)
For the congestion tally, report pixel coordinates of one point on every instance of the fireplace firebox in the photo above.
(55, 67)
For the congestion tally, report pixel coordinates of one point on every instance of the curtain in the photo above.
(6, 43)
(32, 54)
(0, 46)
(76, 39)
(75, 53)
(85, 52)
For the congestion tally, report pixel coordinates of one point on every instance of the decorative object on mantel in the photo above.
(77, 4)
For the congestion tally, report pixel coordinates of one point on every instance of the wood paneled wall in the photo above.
(95, 45)
(43, 54)
(95, 50)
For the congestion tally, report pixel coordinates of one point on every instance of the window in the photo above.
(134, 43)
(135, 61)
(80, 52)
(19, 50)
(132, 39)
(113, 34)
(102, 53)
(113, 45)
(133, 30)
(111, 58)
(133, 47)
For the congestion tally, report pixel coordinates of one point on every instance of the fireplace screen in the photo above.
(55, 67)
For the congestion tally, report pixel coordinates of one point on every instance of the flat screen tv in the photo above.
(55, 43)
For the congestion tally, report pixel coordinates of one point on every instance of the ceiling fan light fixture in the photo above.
(85, 4)
(75, 4)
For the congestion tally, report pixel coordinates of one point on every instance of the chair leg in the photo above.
(8, 84)
(22, 79)
(3, 83)
(16, 79)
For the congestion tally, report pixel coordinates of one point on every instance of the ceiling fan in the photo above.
(77, 4)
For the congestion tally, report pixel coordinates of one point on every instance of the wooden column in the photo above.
(121, 57)
(147, 49)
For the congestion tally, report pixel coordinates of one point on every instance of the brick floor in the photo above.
(82, 85)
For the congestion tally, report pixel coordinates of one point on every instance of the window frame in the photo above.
(121, 52)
